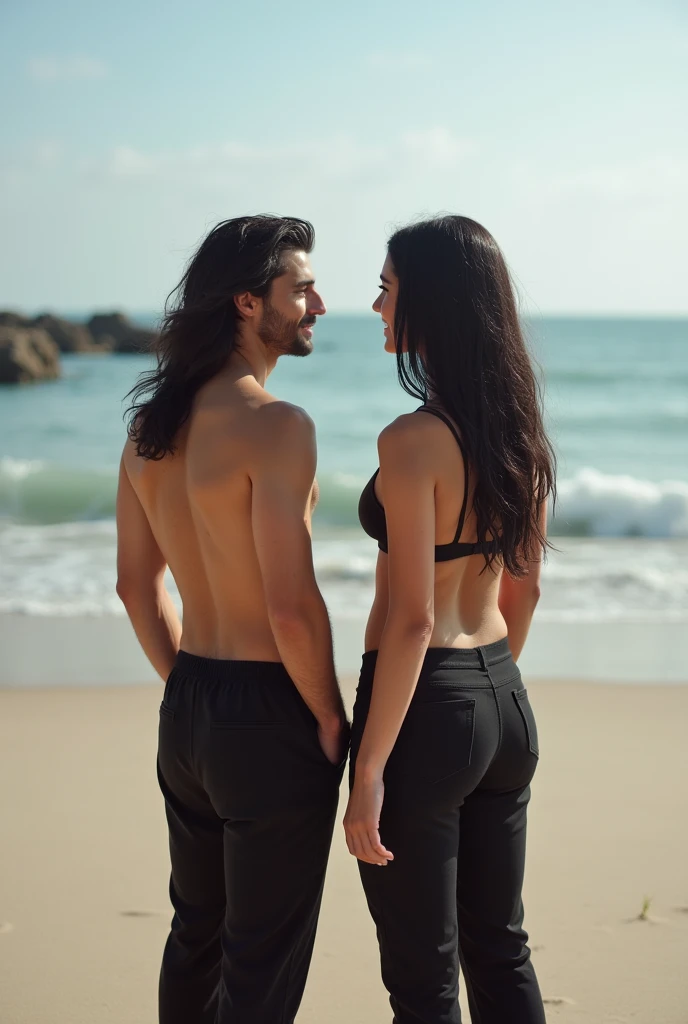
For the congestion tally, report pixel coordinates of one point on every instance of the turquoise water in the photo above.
(617, 401)
(617, 406)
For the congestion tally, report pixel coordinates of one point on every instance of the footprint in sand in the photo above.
(681, 910)
(5, 927)
(558, 1001)
(140, 913)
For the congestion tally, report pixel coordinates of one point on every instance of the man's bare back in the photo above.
(228, 509)
(199, 504)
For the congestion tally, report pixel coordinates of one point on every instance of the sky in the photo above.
(128, 130)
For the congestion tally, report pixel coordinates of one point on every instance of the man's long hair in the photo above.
(199, 327)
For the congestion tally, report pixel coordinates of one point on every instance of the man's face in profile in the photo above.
(291, 307)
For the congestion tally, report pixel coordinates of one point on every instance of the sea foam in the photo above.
(590, 504)
(600, 505)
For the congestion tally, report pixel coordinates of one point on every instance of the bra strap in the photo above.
(464, 507)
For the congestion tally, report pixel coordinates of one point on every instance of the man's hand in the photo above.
(334, 740)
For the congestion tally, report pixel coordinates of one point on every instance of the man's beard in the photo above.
(282, 335)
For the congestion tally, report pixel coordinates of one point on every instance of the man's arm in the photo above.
(282, 483)
(518, 598)
(140, 572)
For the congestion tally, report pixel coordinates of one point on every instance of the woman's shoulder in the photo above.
(411, 427)
(408, 439)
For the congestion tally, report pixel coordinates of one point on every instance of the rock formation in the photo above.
(71, 337)
(30, 346)
(127, 337)
(27, 354)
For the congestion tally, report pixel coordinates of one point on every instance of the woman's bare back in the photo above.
(466, 601)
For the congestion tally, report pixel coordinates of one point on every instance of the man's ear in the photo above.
(247, 305)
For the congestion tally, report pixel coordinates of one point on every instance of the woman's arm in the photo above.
(408, 492)
(518, 598)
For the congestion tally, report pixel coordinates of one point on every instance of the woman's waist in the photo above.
(459, 623)
(485, 666)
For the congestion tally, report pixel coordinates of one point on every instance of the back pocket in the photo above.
(435, 741)
(523, 705)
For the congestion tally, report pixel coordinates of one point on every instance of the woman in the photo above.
(444, 741)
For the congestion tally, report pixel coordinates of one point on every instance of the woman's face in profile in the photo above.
(386, 302)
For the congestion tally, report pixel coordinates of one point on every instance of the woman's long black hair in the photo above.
(459, 343)
(199, 326)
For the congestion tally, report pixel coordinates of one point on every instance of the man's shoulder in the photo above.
(283, 417)
(282, 443)
(285, 439)
(252, 428)
(278, 434)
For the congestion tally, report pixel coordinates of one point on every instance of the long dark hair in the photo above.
(198, 331)
(456, 317)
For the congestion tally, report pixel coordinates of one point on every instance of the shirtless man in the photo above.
(218, 482)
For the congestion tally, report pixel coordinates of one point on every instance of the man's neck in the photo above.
(251, 357)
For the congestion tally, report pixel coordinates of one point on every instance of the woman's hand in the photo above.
(362, 821)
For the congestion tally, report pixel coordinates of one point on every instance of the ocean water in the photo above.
(617, 407)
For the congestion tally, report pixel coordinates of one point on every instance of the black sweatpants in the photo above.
(250, 800)
(454, 816)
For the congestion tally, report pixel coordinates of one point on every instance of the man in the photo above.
(218, 482)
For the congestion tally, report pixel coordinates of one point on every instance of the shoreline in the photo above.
(83, 651)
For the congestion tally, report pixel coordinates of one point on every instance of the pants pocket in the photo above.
(247, 724)
(256, 769)
(523, 705)
(435, 741)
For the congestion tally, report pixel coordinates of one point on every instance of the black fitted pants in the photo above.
(454, 816)
(250, 800)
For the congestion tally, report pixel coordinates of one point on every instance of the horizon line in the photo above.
(532, 313)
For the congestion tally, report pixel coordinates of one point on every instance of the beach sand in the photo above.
(83, 863)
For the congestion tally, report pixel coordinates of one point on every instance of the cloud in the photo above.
(47, 153)
(438, 147)
(340, 157)
(387, 60)
(126, 162)
(26, 163)
(657, 177)
(64, 69)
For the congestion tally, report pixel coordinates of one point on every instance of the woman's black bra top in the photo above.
(371, 512)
